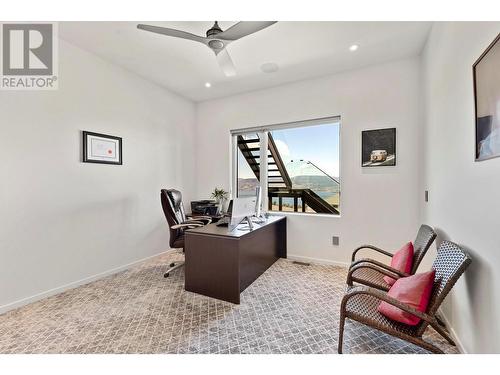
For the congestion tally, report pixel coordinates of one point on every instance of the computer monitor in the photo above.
(229, 208)
(242, 208)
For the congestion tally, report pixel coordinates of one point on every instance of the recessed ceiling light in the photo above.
(353, 48)
(208, 85)
(269, 67)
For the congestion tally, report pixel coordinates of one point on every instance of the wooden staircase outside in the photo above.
(279, 184)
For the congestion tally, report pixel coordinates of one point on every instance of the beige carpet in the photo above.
(290, 309)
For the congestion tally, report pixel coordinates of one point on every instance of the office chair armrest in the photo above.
(371, 247)
(193, 222)
(201, 217)
(205, 219)
(187, 225)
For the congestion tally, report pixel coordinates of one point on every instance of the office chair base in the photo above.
(173, 266)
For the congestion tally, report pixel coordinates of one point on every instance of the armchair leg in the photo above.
(341, 333)
(349, 279)
(440, 329)
(432, 348)
(440, 321)
(173, 266)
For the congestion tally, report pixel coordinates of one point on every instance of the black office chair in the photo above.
(171, 201)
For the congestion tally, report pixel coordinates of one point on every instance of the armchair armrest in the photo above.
(379, 264)
(384, 297)
(391, 272)
(187, 225)
(377, 249)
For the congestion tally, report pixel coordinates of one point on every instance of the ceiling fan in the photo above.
(216, 39)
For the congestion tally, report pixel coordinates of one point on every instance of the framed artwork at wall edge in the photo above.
(378, 147)
(486, 75)
(101, 148)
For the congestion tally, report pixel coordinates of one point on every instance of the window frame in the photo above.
(262, 132)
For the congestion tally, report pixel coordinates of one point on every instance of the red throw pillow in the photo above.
(402, 260)
(412, 290)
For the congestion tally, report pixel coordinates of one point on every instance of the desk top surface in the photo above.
(214, 230)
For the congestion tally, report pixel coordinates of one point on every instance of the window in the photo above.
(301, 168)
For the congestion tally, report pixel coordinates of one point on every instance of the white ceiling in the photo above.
(301, 49)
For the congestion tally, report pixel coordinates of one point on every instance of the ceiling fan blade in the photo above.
(244, 28)
(172, 32)
(226, 63)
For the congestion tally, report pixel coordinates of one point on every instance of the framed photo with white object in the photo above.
(101, 148)
(378, 147)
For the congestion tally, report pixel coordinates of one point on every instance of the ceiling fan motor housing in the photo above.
(214, 30)
(216, 44)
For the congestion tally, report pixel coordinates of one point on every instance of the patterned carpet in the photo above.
(290, 309)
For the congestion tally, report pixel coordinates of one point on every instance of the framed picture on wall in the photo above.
(101, 148)
(378, 147)
(486, 72)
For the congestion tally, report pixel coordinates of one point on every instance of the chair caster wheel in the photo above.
(166, 275)
(172, 264)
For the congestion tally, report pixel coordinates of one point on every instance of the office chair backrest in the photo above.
(171, 201)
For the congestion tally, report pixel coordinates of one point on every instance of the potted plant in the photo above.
(220, 196)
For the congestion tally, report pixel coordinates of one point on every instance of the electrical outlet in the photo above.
(427, 195)
(335, 240)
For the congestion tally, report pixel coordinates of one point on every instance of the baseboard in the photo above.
(52, 292)
(452, 332)
(301, 258)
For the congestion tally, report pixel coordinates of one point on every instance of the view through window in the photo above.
(248, 164)
(302, 167)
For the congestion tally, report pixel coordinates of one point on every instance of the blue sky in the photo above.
(318, 144)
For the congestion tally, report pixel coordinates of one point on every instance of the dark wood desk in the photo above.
(221, 263)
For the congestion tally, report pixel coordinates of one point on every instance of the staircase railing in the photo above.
(308, 199)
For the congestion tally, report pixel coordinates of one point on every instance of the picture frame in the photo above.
(486, 79)
(101, 148)
(378, 148)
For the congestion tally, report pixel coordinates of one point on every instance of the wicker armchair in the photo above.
(360, 303)
(366, 271)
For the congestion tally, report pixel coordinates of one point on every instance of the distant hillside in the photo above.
(247, 183)
(315, 182)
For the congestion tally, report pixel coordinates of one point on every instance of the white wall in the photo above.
(464, 196)
(379, 205)
(62, 220)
